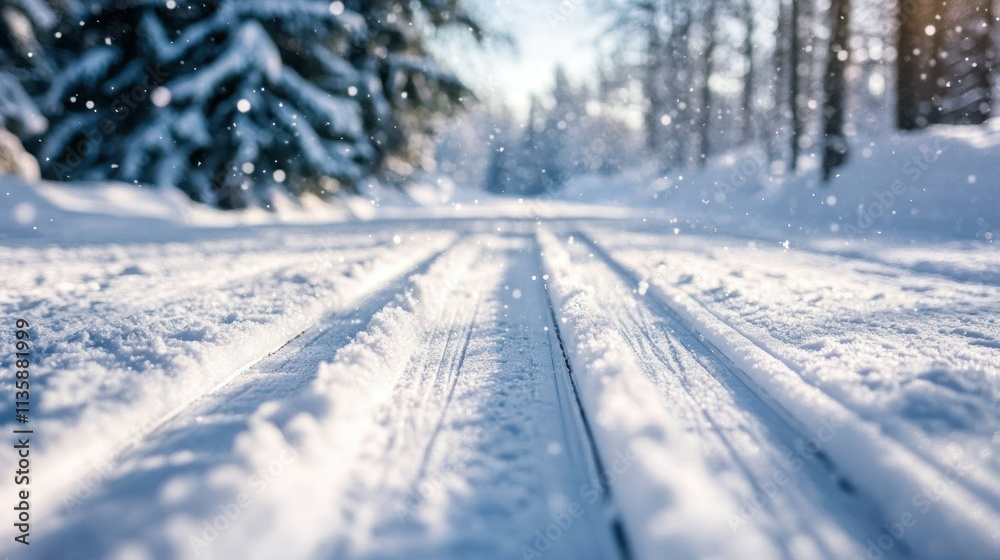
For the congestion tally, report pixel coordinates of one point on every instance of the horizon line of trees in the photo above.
(798, 77)
(827, 66)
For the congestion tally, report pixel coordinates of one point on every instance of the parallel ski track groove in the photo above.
(900, 267)
(651, 347)
(454, 373)
(842, 483)
(618, 530)
(138, 439)
(421, 417)
(970, 485)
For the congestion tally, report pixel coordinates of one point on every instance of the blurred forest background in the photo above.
(229, 99)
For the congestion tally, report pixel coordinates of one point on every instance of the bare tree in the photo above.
(652, 83)
(681, 78)
(706, 89)
(835, 147)
(748, 79)
(794, 70)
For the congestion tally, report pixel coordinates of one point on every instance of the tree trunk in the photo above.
(779, 78)
(987, 77)
(909, 85)
(835, 147)
(748, 81)
(680, 69)
(706, 90)
(934, 109)
(795, 47)
(653, 82)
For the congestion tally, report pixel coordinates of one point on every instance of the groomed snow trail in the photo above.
(568, 389)
(805, 507)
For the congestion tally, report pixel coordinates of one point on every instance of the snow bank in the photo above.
(120, 211)
(670, 499)
(938, 183)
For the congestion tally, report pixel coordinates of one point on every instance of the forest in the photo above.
(228, 99)
(800, 78)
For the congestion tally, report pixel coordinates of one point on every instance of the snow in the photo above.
(251, 52)
(157, 349)
(904, 368)
(452, 375)
(935, 184)
(631, 418)
(16, 107)
(51, 212)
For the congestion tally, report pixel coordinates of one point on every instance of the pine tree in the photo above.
(24, 63)
(417, 91)
(562, 131)
(227, 99)
(500, 165)
(962, 57)
(534, 161)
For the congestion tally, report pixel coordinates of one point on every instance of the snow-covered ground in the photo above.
(510, 378)
(936, 184)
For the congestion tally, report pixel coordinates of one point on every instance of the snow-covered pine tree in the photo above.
(229, 98)
(24, 64)
(559, 141)
(538, 161)
(417, 89)
(501, 164)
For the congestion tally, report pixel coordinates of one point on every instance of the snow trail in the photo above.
(554, 387)
(791, 492)
(944, 490)
(154, 362)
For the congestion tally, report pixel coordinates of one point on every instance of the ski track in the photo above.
(908, 459)
(202, 434)
(745, 440)
(566, 390)
(480, 435)
(964, 263)
(151, 363)
(786, 344)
